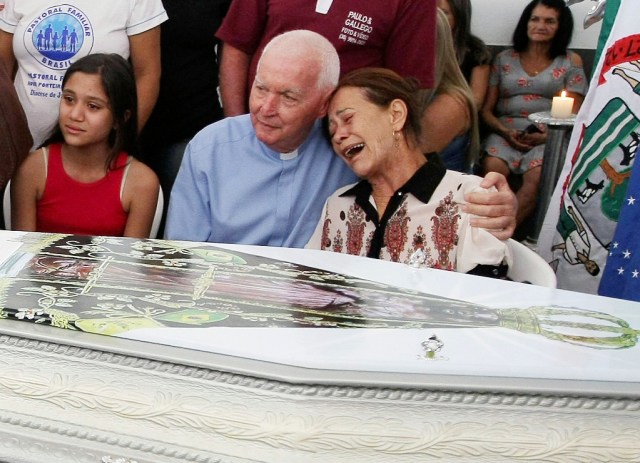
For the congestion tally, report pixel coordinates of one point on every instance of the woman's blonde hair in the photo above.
(449, 80)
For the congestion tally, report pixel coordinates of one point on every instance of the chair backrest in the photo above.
(6, 206)
(155, 225)
(529, 267)
(157, 218)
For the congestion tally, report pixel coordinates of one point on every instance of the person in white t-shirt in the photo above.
(39, 40)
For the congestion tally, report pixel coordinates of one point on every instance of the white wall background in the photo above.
(494, 21)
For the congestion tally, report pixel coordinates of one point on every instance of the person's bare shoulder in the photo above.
(143, 177)
(33, 166)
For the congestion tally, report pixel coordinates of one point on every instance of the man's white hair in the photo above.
(308, 45)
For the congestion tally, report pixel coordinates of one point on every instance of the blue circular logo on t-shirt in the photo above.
(57, 35)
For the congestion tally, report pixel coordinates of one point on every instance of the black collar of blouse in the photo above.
(421, 185)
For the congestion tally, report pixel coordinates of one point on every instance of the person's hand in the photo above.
(535, 138)
(1, 6)
(495, 210)
(515, 140)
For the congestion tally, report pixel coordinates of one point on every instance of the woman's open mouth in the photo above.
(352, 150)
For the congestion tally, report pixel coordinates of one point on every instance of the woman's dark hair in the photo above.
(118, 83)
(562, 38)
(381, 86)
(463, 40)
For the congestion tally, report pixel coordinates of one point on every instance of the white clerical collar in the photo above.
(288, 156)
(322, 6)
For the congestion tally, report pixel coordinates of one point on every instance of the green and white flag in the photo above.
(578, 230)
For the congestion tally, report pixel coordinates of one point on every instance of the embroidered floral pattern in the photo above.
(419, 241)
(445, 231)
(325, 241)
(397, 231)
(338, 242)
(355, 229)
(433, 226)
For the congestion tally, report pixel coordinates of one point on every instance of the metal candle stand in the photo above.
(555, 150)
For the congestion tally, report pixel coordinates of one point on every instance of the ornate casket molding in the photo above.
(80, 397)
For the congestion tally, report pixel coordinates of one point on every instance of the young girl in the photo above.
(83, 179)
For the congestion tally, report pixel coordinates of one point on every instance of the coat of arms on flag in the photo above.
(578, 236)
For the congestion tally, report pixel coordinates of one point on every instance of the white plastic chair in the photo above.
(6, 206)
(155, 225)
(529, 267)
(157, 218)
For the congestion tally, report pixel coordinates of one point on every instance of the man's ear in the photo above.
(127, 115)
(324, 107)
(398, 113)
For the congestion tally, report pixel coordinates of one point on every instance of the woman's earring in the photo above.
(396, 138)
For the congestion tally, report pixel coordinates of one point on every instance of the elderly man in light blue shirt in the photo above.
(262, 178)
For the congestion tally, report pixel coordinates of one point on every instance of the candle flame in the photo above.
(563, 94)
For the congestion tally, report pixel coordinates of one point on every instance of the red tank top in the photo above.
(69, 206)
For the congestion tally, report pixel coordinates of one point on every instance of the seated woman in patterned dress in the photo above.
(406, 202)
(524, 79)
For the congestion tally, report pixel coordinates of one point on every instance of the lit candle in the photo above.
(562, 106)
